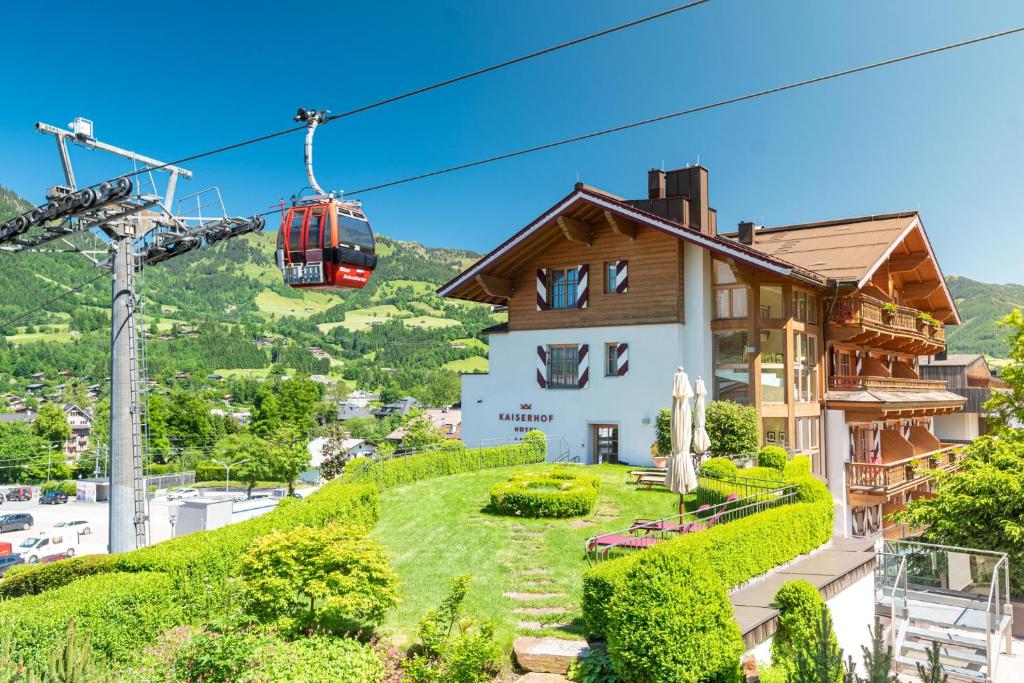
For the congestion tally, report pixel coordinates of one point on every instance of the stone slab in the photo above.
(762, 593)
(534, 677)
(548, 655)
(833, 563)
(856, 545)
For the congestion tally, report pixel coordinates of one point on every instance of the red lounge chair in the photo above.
(609, 541)
(647, 525)
(733, 497)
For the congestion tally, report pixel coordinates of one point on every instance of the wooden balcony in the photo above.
(870, 483)
(853, 383)
(861, 319)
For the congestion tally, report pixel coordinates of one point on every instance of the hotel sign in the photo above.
(526, 418)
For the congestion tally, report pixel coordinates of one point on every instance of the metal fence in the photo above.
(162, 481)
(712, 488)
(643, 533)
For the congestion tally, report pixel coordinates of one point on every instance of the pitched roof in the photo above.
(954, 360)
(584, 197)
(843, 250)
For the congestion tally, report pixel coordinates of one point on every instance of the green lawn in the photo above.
(439, 528)
(29, 337)
(270, 302)
(471, 364)
(388, 288)
(470, 342)
(363, 318)
(429, 322)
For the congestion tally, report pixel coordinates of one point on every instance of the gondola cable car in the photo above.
(324, 242)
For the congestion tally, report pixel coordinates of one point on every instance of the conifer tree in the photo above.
(932, 673)
(820, 660)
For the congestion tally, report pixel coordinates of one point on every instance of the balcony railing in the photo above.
(851, 383)
(862, 310)
(887, 477)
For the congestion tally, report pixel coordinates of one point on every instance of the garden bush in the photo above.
(733, 428)
(332, 578)
(671, 620)
(738, 550)
(211, 471)
(408, 469)
(546, 493)
(68, 488)
(799, 466)
(116, 615)
(663, 432)
(721, 466)
(773, 456)
(28, 579)
(800, 609)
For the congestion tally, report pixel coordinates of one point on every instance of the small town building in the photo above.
(350, 409)
(400, 407)
(819, 326)
(447, 421)
(80, 421)
(362, 398)
(968, 375)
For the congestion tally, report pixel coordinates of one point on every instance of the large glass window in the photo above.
(563, 366)
(771, 302)
(805, 306)
(354, 231)
(295, 234)
(775, 431)
(732, 367)
(773, 366)
(729, 292)
(562, 287)
(805, 367)
(808, 431)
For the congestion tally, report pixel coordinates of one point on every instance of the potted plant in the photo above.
(660, 460)
(889, 312)
(924, 321)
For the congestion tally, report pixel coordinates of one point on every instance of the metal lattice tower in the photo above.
(140, 229)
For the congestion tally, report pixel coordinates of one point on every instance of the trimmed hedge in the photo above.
(772, 456)
(211, 471)
(34, 579)
(117, 614)
(672, 621)
(550, 493)
(408, 469)
(736, 551)
(723, 466)
(799, 466)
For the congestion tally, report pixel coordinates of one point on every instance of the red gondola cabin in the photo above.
(326, 244)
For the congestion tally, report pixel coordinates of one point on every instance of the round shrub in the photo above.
(671, 620)
(546, 493)
(800, 606)
(719, 466)
(799, 466)
(734, 429)
(772, 456)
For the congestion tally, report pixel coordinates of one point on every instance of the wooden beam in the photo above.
(619, 226)
(500, 287)
(906, 262)
(943, 313)
(575, 230)
(920, 290)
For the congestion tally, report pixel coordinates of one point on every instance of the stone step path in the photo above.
(548, 655)
(534, 677)
(538, 603)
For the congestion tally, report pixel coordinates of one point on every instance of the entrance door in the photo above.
(606, 444)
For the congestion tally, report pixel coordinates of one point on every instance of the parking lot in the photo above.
(96, 514)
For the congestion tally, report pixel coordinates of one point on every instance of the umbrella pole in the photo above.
(682, 508)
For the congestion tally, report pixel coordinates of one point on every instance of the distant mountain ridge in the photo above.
(982, 306)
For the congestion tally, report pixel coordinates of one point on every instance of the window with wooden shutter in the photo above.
(542, 367)
(582, 286)
(542, 289)
(616, 359)
(583, 368)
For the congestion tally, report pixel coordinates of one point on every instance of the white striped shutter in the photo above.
(853, 446)
(583, 366)
(542, 289)
(859, 363)
(622, 359)
(542, 367)
(832, 363)
(582, 286)
(876, 446)
(621, 277)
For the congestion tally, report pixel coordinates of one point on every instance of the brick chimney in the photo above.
(680, 195)
(746, 232)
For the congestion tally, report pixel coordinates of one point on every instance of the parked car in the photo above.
(181, 494)
(53, 498)
(79, 526)
(16, 521)
(9, 561)
(19, 493)
(44, 544)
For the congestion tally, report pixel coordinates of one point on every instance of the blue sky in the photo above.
(943, 135)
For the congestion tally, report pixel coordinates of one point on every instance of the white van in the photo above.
(47, 546)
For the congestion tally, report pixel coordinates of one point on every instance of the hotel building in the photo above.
(819, 326)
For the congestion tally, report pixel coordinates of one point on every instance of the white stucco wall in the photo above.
(956, 427)
(837, 453)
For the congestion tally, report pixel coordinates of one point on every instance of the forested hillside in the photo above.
(981, 306)
(224, 310)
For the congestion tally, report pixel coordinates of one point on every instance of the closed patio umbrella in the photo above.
(701, 440)
(681, 477)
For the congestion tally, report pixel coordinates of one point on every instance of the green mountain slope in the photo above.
(225, 308)
(981, 306)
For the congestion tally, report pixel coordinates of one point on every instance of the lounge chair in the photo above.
(609, 541)
(647, 525)
(713, 520)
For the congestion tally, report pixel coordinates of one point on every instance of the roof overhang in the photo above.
(582, 194)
